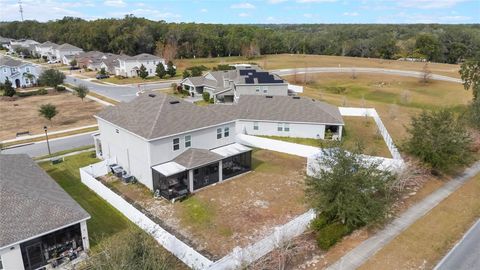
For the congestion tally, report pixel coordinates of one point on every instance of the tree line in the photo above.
(132, 35)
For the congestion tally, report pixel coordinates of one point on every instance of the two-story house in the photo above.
(46, 50)
(65, 52)
(227, 86)
(129, 66)
(40, 223)
(28, 44)
(175, 147)
(21, 74)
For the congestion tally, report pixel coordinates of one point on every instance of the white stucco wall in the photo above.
(12, 258)
(270, 128)
(162, 150)
(130, 151)
(13, 73)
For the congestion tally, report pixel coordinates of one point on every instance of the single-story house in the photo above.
(39, 222)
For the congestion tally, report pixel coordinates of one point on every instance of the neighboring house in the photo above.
(66, 50)
(39, 221)
(227, 86)
(128, 66)
(22, 43)
(96, 60)
(46, 50)
(175, 147)
(5, 42)
(21, 74)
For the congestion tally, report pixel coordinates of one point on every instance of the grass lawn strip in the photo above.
(61, 153)
(425, 242)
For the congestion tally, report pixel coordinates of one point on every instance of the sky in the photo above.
(252, 11)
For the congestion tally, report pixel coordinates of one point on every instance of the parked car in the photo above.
(53, 62)
(74, 68)
(102, 76)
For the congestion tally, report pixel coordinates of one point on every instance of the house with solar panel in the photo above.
(228, 85)
(175, 147)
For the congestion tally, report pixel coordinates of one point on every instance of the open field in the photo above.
(358, 131)
(234, 213)
(281, 61)
(424, 243)
(23, 113)
(395, 98)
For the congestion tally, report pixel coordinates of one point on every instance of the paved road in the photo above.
(466, 254)
(117, 92)
(406, 73)
(56, 145)
(360, 254)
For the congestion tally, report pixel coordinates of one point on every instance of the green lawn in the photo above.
(59, 153)
(106, 220)
(357, 131)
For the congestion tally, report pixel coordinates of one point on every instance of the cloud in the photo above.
(276, 1)
(316, 1)
(270, 18)
(243, 14)
(43, 10)
(203, 10)
(149, 13)
(351, 14)
(405, 17)
(243, 6)
(307, 15)
(115, 3)
(429, 4)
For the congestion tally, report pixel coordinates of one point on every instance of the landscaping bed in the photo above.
(23, 113)
(237, 212)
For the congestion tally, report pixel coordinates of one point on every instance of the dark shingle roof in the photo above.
(31, 202)
(194, 157)
(66, 46)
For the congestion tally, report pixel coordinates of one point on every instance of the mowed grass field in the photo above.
(395, 98)
(280, 61)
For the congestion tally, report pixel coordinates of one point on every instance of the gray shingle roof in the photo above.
(194, 157)
(287, 108)
(66, 46)
(10, 62)
(31, 202)
(154, 117)
(48, 44)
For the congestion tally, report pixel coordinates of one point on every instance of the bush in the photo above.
(211, 100)
(60, 88)
(206, 96)
(318, 223)
(39, 92)
(331, 234)
(51, 77)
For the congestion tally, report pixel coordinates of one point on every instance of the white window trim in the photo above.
(286, 127)
(176, 144)
(189, 141)
(226, 132)
(255, 126)
(219, 133)
(280, 127)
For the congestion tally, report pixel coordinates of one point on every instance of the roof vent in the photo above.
(269, 96)
(151, 95)
(174, 102)
(296, 97)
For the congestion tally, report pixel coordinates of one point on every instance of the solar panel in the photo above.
(261, 76)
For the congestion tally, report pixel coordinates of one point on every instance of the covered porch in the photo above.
(195, 169)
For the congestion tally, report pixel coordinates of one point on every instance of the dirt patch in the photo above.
(21, 114)
(237, 212)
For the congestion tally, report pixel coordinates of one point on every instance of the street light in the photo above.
(48, 144)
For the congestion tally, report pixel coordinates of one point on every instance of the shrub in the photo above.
(331, 234)
(60, 88)
(206, 96)
(211, 100)
(41, 91)
(318, 223)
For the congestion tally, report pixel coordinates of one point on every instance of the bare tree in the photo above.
(426, 74)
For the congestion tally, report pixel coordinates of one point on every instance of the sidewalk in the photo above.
(49, 133)
(360, 254)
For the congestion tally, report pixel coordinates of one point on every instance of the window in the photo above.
(257, 90)
(116, 130)
(219, 133)
(150, 71)
(226, 132)
(286, 127)
(176, 144)
(280, 127)
(1, 264)
(188, 141)
(28, 69)
(14, 70)
(4, 70)
(154, 62)
(255, 125)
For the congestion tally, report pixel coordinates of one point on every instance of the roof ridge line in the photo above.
(157, 116)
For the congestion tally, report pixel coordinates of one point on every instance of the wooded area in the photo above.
(132, 35)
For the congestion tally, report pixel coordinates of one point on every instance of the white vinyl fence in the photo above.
(178, 248)
(239, 258)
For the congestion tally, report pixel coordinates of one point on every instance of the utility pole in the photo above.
(21, 9)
